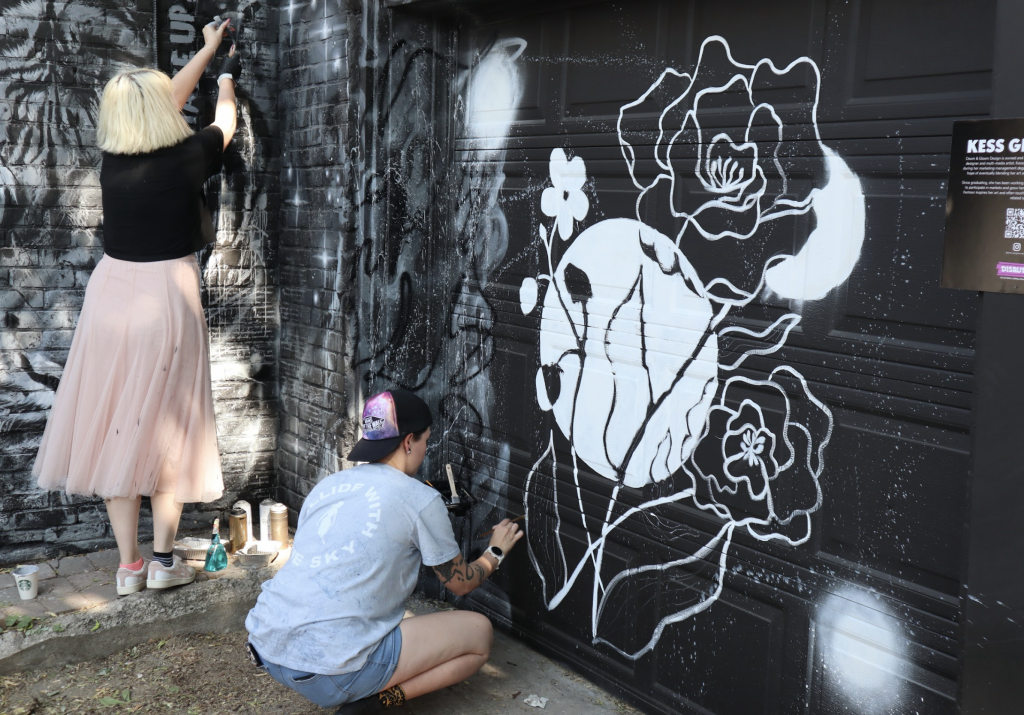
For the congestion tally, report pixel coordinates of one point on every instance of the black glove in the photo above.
(231, 65)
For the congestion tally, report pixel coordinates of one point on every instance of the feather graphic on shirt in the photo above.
(327, 520)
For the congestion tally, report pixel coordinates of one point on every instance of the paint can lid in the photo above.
(278, 509)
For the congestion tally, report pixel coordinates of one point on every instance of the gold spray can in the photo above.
(238, 529)
(279, 524)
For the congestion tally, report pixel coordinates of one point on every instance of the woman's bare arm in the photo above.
(226, 115)
(460, 578)
(185, 81)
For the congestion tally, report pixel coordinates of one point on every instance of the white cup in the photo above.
(27, 580)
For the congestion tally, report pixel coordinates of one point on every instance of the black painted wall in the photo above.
(736, 412)
(316, 233)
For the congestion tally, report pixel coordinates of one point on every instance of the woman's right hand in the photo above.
(505, 535)
(213, 34)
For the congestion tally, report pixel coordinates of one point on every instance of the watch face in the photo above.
(496, 551)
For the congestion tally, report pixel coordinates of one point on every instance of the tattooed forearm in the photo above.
(460, 577)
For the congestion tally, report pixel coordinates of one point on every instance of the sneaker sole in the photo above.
(126, 590)
(170, 582)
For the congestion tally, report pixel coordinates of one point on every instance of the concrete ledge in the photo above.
(216, 605)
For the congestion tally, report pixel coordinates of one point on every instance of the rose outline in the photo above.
(717, 489)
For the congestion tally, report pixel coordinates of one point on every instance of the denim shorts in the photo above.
(330, 691)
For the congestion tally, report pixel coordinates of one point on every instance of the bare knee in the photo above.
(483, 634)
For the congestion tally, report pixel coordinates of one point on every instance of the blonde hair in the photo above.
(138, 114)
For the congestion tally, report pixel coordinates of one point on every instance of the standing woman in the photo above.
(133, 415)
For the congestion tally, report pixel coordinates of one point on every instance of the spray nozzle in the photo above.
(234, 28)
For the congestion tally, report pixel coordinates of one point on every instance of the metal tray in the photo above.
(193, 548)
(258, 553)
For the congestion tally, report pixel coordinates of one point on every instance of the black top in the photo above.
(154, 208)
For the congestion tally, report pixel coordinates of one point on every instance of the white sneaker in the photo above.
(178, 574)
(129, 581)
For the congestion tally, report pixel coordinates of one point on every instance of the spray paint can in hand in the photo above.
(265, 519)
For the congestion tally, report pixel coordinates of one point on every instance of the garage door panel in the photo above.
(899, 470)
(897, 78)
(698, 588)
(742, 673)
(897, 252)
(858, 642)
(597, 80)
(951, 27)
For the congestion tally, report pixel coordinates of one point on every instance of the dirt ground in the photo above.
(186, 675)
(209, 674)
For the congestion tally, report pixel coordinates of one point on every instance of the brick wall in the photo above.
(55, 59)
(316, 225)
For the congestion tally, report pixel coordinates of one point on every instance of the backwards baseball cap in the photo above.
(387, 418)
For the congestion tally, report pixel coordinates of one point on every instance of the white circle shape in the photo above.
(627, 327)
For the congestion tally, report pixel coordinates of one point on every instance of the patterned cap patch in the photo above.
(380, 419)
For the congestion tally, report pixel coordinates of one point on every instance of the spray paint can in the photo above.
(279, 524)
(237, 528)
(265, 519)
(244, 505)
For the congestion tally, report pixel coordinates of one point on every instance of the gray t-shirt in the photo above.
(361, 536)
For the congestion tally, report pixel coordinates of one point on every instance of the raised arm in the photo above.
(185, 81)
(226, 115)
(460, 578)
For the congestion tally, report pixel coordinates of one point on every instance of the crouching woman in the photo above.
(329, 625)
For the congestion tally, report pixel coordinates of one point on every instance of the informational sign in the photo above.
(984, 247)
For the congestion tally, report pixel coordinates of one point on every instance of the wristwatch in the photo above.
(497, 553)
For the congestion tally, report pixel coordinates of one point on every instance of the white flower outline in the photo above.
(564, 200)
(752, 447)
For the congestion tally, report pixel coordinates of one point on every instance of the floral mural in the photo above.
(639, 364)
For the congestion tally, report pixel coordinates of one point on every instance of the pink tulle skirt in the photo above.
(134, 410)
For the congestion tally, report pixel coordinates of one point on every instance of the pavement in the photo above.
(505, 683)
(78, 617)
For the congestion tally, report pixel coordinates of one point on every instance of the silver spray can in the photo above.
(265, 519)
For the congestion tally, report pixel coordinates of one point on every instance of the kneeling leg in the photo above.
(441, 649)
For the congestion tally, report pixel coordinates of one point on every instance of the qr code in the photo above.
(1014, 223)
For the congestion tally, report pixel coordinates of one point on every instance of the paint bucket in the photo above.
(279, 524)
